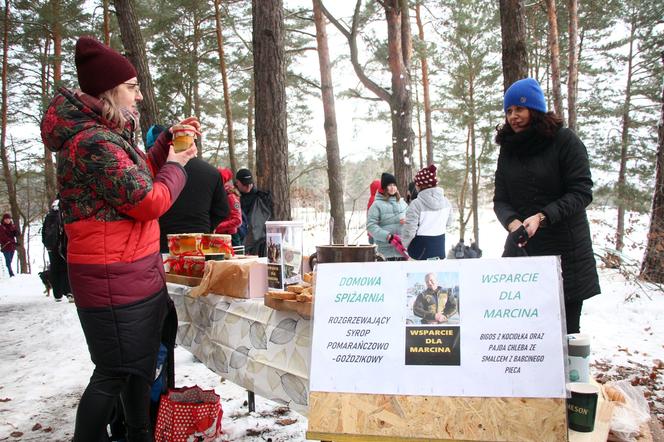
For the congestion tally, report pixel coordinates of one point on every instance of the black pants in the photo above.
(573, 315)
(98, 402)
(58, 275)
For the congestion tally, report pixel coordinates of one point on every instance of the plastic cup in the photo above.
(582, 406)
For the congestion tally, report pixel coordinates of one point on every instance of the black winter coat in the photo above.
(554, 178)
(200, 207)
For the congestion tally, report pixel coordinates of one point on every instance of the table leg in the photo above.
(251, 401)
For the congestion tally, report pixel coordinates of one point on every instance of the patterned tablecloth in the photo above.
(263, 350)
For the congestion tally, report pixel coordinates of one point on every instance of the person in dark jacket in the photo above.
(54, 241)
(200, 207)
(8, 240)
(111, 195)
(543, 186)
(257, 207)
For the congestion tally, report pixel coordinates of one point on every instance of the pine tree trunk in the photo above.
(132, 40)
(652, 268)
(271, 123)
(554, 53)
(50, 183)
(425, 87)
(335, 181)
(56, 37)
(624, 144)
(194, 78)
(107, 23)
(224, 80)
(6, 172)
(57, 43)
(461, 199)
(418, 119)
(513, 36)
(473, 161)
(573, 74)
(251, 157)
(398, 32)
(399, 51)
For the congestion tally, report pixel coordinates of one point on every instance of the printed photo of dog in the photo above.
(45, 279)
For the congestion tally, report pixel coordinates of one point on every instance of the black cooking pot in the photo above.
(345, 253)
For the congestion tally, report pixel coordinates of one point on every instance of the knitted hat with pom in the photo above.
(426, 177)
(100, 68)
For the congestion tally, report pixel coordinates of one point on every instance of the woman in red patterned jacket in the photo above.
(230, 224)
(111, 196)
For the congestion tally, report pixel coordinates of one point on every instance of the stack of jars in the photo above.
(189, 251)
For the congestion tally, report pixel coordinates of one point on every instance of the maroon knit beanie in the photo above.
(6, 216)
(426, 177)
(100, 68)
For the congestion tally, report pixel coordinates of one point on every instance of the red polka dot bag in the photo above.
(189, 414)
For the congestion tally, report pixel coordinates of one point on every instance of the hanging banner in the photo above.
(468, 327)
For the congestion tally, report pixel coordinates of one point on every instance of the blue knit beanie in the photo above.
(525, 93)
(153, 134)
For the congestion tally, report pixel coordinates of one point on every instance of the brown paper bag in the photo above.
(229, 277)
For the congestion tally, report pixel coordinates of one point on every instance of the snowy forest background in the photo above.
(199, 57)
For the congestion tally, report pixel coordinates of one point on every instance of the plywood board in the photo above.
(437, 418)
(304, 309)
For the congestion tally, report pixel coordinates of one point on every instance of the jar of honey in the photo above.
(216, 243)
(194, 266)
(183, 243)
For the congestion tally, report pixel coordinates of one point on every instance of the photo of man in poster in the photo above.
(435, 304)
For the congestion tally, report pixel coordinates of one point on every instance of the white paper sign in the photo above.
(470, 327)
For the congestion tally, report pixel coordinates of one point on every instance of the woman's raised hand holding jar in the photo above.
(184, 137)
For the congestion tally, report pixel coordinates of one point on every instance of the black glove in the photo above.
(519, 236)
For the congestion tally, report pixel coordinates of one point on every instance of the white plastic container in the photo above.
(578, 359)
(284, 253)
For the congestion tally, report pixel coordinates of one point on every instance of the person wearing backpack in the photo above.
(54, 240)
(257, 206)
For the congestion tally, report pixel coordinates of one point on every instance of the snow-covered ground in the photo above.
(45, 364)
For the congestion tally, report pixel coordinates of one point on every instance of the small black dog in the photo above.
(45, 279)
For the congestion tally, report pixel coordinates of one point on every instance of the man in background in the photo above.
(200, 207)
(257, 207)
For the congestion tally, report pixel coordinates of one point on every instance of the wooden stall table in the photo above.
(260, 349)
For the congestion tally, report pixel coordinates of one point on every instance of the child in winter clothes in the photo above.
(427, 218)
(8, 240)
(232, 222)
(386, 216)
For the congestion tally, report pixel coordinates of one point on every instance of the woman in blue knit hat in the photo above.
(543, 186)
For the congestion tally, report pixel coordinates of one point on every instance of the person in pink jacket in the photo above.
(230, 224)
